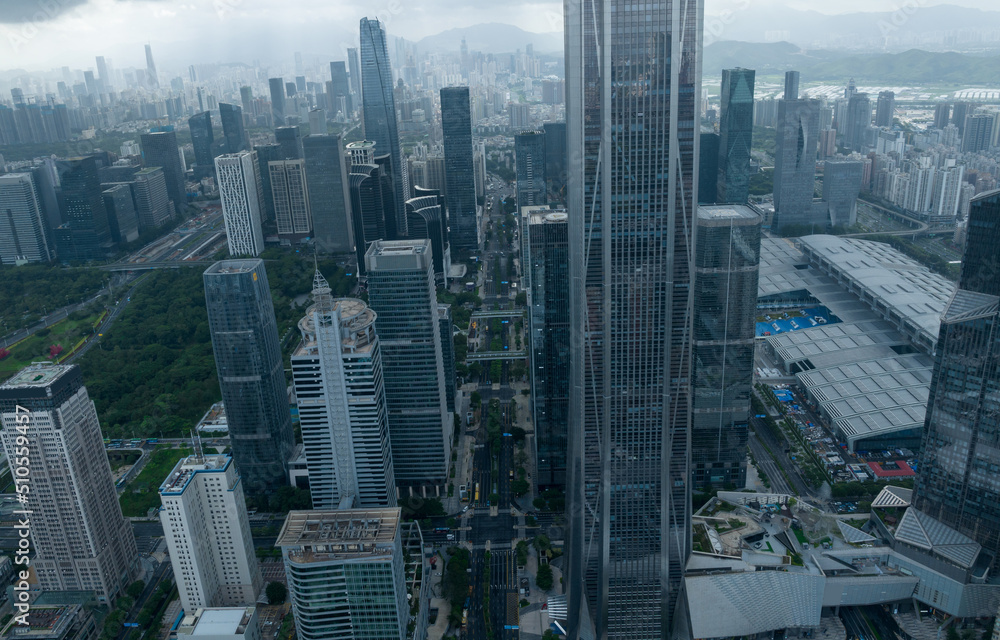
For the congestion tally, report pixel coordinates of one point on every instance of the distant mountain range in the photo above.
(493, 38)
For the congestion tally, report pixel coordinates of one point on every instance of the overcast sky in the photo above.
(42, 34)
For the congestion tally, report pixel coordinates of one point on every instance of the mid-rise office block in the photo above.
(555, 160)
(291, 197)
(329, 200)
(735, 136)
(207, 530)
(841, 186)
(401, 292)
(219, 623)
(529, 163)
(24, 235)
(456, 126)
(337, 373)
(159, 149)
(81, 540)
(239, 191)
(289, 142)
(149, 187)
(360, 552)
(232, 128)
(727, 258)
(859, 118)
(122, 217)
(251, 373)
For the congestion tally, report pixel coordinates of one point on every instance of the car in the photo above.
(451, 536)
(465, 509)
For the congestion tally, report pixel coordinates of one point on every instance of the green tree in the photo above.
(135, 589)
(521, 299)
(494, 498)
(542, 542)
(276, 592)
(519, 487)
(544, 578)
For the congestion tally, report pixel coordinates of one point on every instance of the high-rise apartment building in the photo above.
(795, 161)
(735, 136)
(401, 292)
(81, 540)
(277, 89)
(240, 191)
(942, 113)
(159, 149)
(251, 373)
(379, 106)
(152, 204)
(977, 132)
(529, 164)
(958, 114)
(727, 258)
(329, 200)
(337, 373)
(885, 107)
(981, 260)
(232, 127)
(202, 138)
(632, 138)
(546, 268)
(291, 198)
(24, 234)
(456, 127)
(207, 530)
(361, 552)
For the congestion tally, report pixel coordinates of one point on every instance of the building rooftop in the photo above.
(739, 213)
(37, 375)
(186, 469)
(344, 533)
(361, 144)
(44, 622)
(221, 621)
(544, 215)
(399, 247)
(224, 267)
(922, 531)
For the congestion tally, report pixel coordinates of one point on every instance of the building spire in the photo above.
(321, 291)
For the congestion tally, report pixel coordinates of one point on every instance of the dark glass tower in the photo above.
(456, 127)
(232, 127)
(735, 136)
(341, 84)
(277, 88)
(159, 149)
(529, 163)
(267, 153)
(251, 373)
(633, 84)
(326, 175)
(555, 160)
(82, 205)
(727, 257)
(859, 118)
(367, 208)
(202, 138)
(379, 105)
(425, 217)
(290, 142)
(795, 148)
(884, 108)
(981, 262)
(708, 166)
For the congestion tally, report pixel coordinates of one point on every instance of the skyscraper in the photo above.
(708, 166)
(791, 85)
(341, 84)
(402, 294)
(735, 136)
(942, 112)
(122, 217)
(981, 260)
(291, 198)
(149, 189)
(159, 149)
(367, 207)
(24, 234)
(277, 88)
(795, 162)
(841, 186)
(884, 108)
(154, 80)
(326, 175)
(555, 160)
(727, 257)
(202, 138)
(266, 153)
(546, 260)
(239, 192)
(103, 75)
(207, 530)
(337, 373)
(289, 141)
(958, 113)
(859, 118)
(354, 64)
(426, 219)
(447, 328)
(82, 206)
(80, 538)
(456, 127)
(977, 132)
(251, 373)
(379, 105)
(232, 127)
(529, 164)
(246, 99)
(631, 309)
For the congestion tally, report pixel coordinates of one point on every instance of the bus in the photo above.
(476, 499)
(152, 441)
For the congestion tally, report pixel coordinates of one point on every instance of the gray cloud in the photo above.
(35, 11)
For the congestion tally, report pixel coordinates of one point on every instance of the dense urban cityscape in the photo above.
(663, 321)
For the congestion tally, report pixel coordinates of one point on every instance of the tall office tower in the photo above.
(426, 219)
(850, 90)
(434, 171)
(317, 121)
(360, 551)
(981, 261)
(266, 153)
(708, 166)
(379, 106)
(232, 127)
(24, 234)
(205, 523)
(329, 200)
(251, 374)
(202, 138)
(401, 291)
(529, 163)
(291, 200)
(555, 160)
(884, 108)
(827, 143)
(91, 82)
(337, 373)
(290, 142)
(103, 75)
(81, 540)
(154, 80)
(83, 209)
(546, 260)
(354, 64)
(735, 136)
(942, 113)
(628, 476)
(791, 85)
(446, 326)
(122, 217)
(151, 203)
(456, 127)
(859, 118)
(367, 208)
(958, 113)
(392, 229)
(727, 257)
(239, 179)
(341, 84)
(159, 149)
(290, 90)
(841, 186)
(978, 130)
(277, 88)
(795, 162)
(246, 99)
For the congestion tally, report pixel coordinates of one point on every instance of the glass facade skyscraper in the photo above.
(529, 163)
(202, 138)
(981, 261)
(82, 204)
(24, 233)
(367, 208)
(326, 175)
(735, 136)
(232, 127)
(795, 148)
(159, 149)
(277, 89)
(555, 160)
(379, 104)
(251, 372)
(456, 127)
(633, 84)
